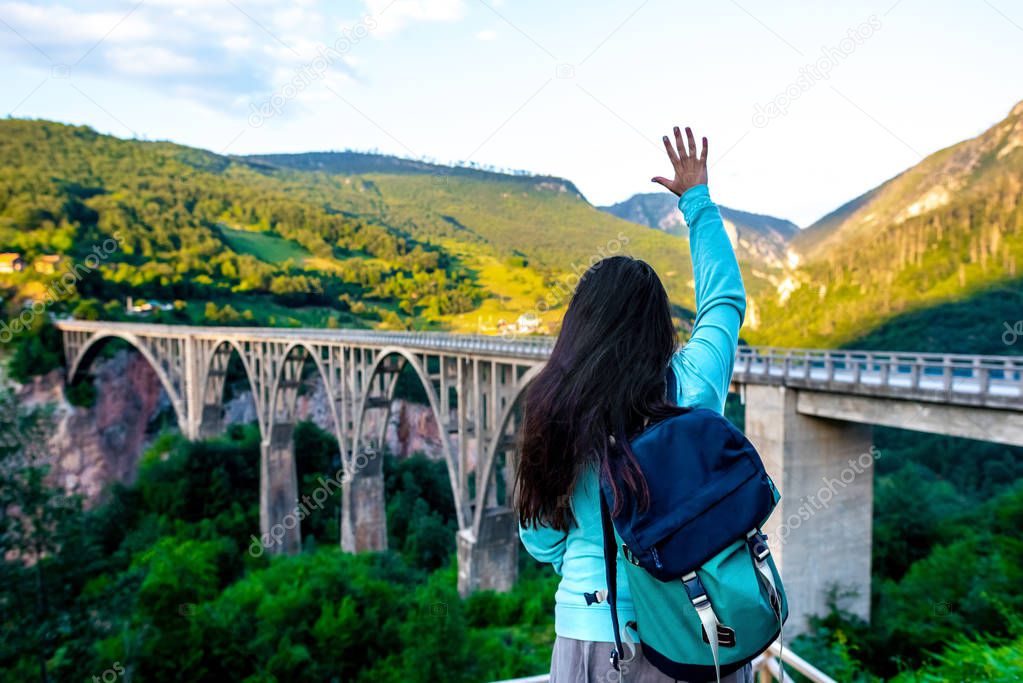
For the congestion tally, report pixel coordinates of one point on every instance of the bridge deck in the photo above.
(531, 347)
(987, 381)
(973, 380)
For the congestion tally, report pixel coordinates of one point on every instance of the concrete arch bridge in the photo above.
(808, 411)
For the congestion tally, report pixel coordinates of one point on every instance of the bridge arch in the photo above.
(212, 386)
(267, 375)
(374, 374)
(164, 365)
(497, 444)
(282, 404)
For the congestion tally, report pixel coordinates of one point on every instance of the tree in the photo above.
(36, 351)
(36, 521)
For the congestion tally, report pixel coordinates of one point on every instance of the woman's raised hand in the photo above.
(690, 169)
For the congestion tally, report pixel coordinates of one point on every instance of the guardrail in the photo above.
(994, 381)
(767, 666)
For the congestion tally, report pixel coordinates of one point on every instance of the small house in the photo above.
(11, 262)
(141, 308)
(145, 307)
(528, 324)
(47, 264)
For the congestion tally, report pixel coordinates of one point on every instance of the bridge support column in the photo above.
(363, 510)
(820, 534)
(491, 561)
(279, 520)
(212, 423)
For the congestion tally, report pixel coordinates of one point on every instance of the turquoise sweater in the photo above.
(704, 369)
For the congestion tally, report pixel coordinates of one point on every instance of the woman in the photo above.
(607, 375)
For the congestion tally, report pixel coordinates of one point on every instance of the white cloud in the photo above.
(184, 5)
(216, 52)
(393, 15)
(224, 54)
(60, 25)
(237, 43)
(487, 35)
(151, 61)
(296, 19)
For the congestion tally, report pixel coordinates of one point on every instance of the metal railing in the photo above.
(766, 667)
(994, 381)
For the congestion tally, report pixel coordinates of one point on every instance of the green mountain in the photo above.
(541, 221)
(945, 230)
(317, 239)
(986, 322)
(225, 241)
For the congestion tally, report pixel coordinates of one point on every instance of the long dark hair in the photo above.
(605, 377)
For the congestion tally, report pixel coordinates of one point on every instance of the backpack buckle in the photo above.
(694, 589)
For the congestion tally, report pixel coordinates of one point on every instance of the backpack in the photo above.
(707, 594)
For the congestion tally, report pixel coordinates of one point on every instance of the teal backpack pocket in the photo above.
(744, 608)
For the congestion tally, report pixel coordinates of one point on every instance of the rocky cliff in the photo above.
(94, 447)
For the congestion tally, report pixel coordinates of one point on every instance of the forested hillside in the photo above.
(161, 579)
(505, 228)
(178, 217)
(159, 584)
(327, 239)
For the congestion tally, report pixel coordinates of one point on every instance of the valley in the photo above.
(926, 262)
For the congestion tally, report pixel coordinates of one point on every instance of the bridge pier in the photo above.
(363, 510)
(212, 421)
(820, 534)
(279, 514)
(491, 560)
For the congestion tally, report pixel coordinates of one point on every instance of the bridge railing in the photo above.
(531, 346)
(998, 379)
(768, 666)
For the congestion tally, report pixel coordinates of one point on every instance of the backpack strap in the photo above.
(757, 541)
(611, 574)
(611, 546)
(705, 611)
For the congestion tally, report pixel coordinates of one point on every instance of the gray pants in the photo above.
(585, 661)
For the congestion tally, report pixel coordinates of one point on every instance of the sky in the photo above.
(806, 104)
